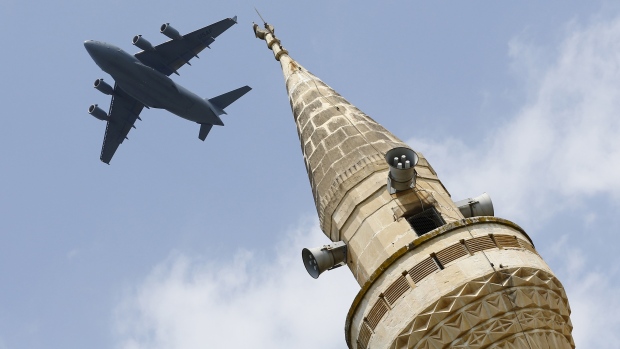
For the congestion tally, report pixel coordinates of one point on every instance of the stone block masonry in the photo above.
(429, 277)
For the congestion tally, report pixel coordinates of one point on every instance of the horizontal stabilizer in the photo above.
(223, 101)
(204, 131)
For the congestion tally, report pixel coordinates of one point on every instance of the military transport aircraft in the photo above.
(142, 80)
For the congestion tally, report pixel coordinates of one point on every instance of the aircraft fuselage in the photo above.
(149, 86)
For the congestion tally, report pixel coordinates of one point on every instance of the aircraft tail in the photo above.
(226, 99)
(217, 104)
(204, 131)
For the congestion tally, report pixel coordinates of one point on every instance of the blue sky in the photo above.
(185, 244)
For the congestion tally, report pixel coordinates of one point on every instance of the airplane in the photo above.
(142, 80)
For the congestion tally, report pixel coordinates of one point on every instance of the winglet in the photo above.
(234, 19)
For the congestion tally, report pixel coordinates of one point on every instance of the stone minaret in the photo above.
(429, 277)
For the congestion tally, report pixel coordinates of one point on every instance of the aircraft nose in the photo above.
(95, 49)
(88, 44)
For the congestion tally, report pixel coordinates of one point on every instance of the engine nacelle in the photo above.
(170, 32)
(97, 112)
(103, 87)
(142, 43)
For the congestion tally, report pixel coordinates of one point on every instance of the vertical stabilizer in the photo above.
(204, 131)
(218, 104)
(224, 100)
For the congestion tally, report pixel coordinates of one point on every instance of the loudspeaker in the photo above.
(402, 174)
(319, 259)
(479, 206)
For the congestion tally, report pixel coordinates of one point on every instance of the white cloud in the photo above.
(254, 300)
(556, 154)
(593, 297)
(562, 145)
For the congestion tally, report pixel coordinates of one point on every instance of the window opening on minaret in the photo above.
(425, 221)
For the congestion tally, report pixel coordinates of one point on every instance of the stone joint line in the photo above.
(339, 142)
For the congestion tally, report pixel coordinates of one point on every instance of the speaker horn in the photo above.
(402, 173)
(319, 259)
(474, 207)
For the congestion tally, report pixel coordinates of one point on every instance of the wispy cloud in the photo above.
(593, 296)
(562, 145)
(561, 149)
(252, 300)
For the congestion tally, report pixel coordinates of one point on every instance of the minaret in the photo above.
(433, 273)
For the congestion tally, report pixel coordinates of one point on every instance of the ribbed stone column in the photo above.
(462, 283)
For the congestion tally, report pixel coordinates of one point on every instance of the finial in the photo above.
(261, 33)
(268, 26)
(268, 34)
(261, 17)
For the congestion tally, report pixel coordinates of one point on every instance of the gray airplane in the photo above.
(142, 80)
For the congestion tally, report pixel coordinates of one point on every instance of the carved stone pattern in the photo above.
(364, 337)
(480, 243)
(471, 327)
(540, 339)
(506, 241)
(451, 253)
(395, 290)
(428, 266)
(489, 310)
(376, 314)
(423, 269)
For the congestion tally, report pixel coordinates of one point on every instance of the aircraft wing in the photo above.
(124, 110)
(168, 57)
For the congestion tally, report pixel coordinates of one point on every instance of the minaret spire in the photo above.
(432, 275)
(344, 153)
(268, 34)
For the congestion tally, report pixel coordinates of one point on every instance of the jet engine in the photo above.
(170, 32)
(103, 87)
(142, 43)
(97, 112)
